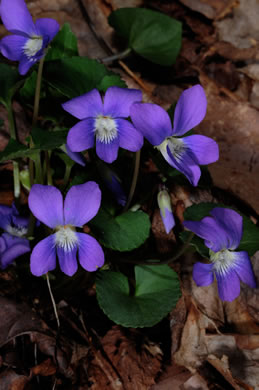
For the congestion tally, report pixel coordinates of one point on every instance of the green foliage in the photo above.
(43, 140)
(77, 75)
(152, 35)
(63, 45)
(157, 291)
(9, 82)
(123, 233)
(250, 238)
(109, 81)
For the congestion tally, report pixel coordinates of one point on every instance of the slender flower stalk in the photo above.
(222, 232)
(16, 174)
(134, 181)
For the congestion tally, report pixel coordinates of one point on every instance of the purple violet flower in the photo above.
(112, 182)
(164, 203)
(104, 121)
(12, 242)
(222, 232)
(29, 40)
(81, 204)
(184, 154)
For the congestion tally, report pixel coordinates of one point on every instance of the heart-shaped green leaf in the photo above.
(156, 293)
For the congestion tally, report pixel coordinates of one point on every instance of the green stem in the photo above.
(134, 181)
(48, 167)
(53, 301)
(38, 167)
(37, 93)
(179, 253)
(118, 56)
(67, 175)
(16, 175)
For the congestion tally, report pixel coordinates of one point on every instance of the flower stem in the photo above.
(48, 168)
(134, 181)
(37, 159)
(16, 175)
(37, 93)
(118, 56)
(53, 301)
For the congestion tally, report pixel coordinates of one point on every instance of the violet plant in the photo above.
(90, 227)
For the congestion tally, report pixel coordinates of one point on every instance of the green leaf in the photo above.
(156, 293)
(9, 82)
(48, 140)
(250, 238)
(123, 233)
(14, 150)
(74, 76)
(27, 92)
(63, 45)
(151, 34)
(109, 81)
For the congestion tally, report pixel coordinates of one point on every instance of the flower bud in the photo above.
(164, 203)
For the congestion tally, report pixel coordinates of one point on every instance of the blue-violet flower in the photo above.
(222, 232)
(81, 204)
(12, 241)
(184, 154)
(29, 40)
(104, 121)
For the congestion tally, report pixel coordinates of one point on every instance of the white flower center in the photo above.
(17, 231)
(223, 260)
(32, 46)
(176, 146)
(105, 129)
(65, 237)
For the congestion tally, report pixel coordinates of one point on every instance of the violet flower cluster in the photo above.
(81, 204)
(12, 241)
(28, 40)
(222, 233)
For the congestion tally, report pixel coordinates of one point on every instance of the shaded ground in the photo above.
(203, 344)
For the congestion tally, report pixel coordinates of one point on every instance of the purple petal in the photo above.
(88, 105)
(203, 274)
(46, 203)
(117, 190)
(25, 64)
(203, 150)
(184, 164)
(152, 121)
(5, 216)
(47, 27)
(14, 247)
(81, 136)
(67, 261)
(90, 252)
(190, 110)
(208, 228)
(43, 257)
(168, 220)
(130, 138)
(76, 156)
(12, 47)
(107, 152)
(228, 285)
(243, 268)
(16, 17)
(232, 223)
(82, 203)
(117, 101)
